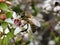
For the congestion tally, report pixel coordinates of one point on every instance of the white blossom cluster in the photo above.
(18, 29)
(51, 42)
(16, 2)
(57, 27)
(51, 5)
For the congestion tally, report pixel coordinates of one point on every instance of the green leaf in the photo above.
(9, 14)
(17, 9)
(56, 39)
(4, 6)
(6, 41)
(1, 41)
(4, 25)
(27, 43)
(11, 33)
(18, 42)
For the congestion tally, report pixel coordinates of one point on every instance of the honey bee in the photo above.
(32, 19)
(29, 18)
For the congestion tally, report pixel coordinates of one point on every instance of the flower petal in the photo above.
(1, 29)
(6, 31)
(17, 30)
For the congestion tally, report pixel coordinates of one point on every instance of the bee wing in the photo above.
(35, 22)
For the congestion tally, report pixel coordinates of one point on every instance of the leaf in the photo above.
(9, 14)
(1, 41)
(6, 41)
(18, 42)
(4, 6)
(36, 10)
(4, 25)
(11, 34)
(17, 9)
(56, 39)
(27, 43)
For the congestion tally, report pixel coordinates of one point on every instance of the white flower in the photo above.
(26, 37)
(57, 8)
(29, 28)
(47, 1)
(9, 26)
(18, 16)
(46, 5)
(1, 29)
(39, 15)
(45, 11)
(54, 1)
(30, 7)
(6, 30)
(38, 5)
(23, 22)
(9, 20)
(17, 30)
(57, 27)
(14, 15)
(25, 26)
(51, 42)
(49, 8)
